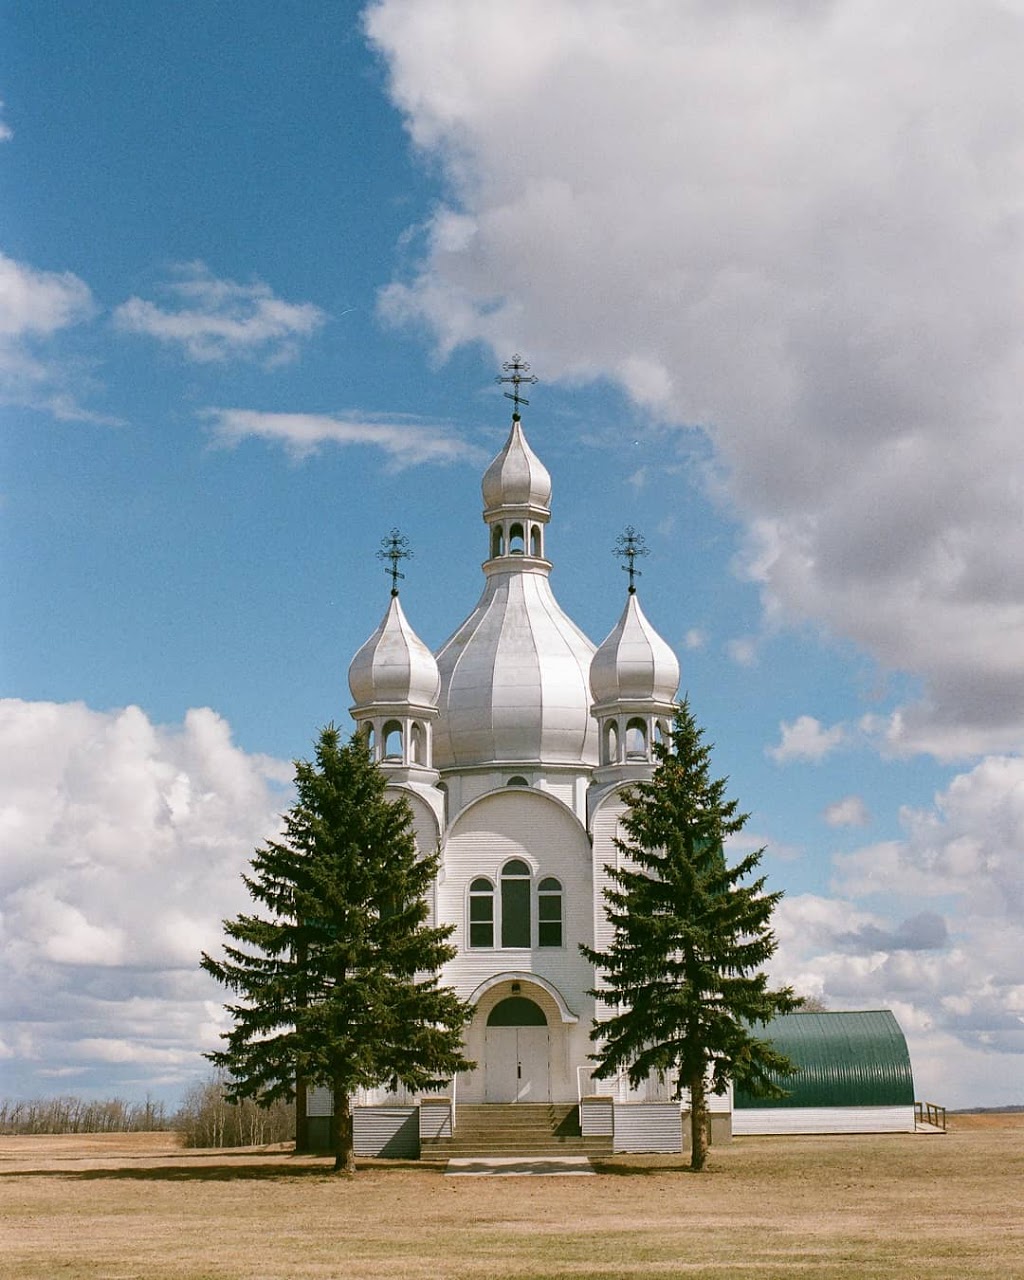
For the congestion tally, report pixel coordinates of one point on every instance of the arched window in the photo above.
(443, 788)
(371, 740)
(392, 735)
(659, 732)
(536, 546)
(636, 740)
(416, 743)
(515, 904)
(516, 540)
(611, 742)
(497, 541)
(481, 913)
(549, 912)
(517, 781)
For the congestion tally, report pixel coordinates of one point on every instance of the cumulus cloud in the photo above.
(743, 651)
(930, 925)
(851, 811)
(406, 443)
(806, 739)
(213, 320)
(36, 307)
(124, 842)
(794, 225)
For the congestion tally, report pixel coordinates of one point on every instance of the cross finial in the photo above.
(517, 371)
(628, 545)
(394, 547)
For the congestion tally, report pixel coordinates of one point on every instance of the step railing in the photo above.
(930, 1113)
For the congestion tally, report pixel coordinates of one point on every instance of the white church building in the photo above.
(513, 744)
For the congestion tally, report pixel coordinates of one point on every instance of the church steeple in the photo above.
(634, 677)
(516, 489)
(395, 682)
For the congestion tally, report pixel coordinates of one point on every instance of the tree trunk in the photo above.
(698, 1123)
(301, 1118)
(341, 1132)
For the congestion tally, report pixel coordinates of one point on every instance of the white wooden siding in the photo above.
(647, 1126)
(605, 826)
(596, 1117)
(435, 1119)
(518, 823)
(319, 1102)
(754, 1120)
(386, 1131)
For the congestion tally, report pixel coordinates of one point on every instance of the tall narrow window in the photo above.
(636, 740)
(497, 541)
(611, 742)
(392, 734)
(416, 743)
(549, 912)
(515, 904)
(516, 540)
(535, 543)
(481, 913)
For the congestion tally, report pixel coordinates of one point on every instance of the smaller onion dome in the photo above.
(634, 664)
(516, 477)
(394, 665)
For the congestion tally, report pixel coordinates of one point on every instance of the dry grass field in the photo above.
(909, 1206)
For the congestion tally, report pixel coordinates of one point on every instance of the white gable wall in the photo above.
(525, 823)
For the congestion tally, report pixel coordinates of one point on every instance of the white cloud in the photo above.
(695, 638)
(215, 320)
(805, 738)
(931, 926)
(743, 651)
(794, 225)
(404, 442)
(36, 307)
(124, 842)
(38, 303)
(6, 132)
(851, 811)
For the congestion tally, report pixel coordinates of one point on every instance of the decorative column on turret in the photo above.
(634, 677)
(395, 684)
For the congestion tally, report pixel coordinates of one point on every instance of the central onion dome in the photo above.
(515, 676)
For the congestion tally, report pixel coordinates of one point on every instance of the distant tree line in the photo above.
(208, 1119)
(79, 1115)
(205, 1118)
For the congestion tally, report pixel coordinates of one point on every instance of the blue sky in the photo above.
(260, 265)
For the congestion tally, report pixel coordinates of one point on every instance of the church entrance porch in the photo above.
(517, 1052)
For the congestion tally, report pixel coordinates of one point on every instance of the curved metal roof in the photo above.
(843, 1060)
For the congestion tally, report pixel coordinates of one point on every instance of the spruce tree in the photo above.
(338, 976)
(683, 976)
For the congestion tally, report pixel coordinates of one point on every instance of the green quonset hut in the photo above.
(853, 1077)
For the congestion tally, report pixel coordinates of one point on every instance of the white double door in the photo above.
(517, 1064)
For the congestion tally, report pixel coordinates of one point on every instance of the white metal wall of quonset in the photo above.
(795, 1120)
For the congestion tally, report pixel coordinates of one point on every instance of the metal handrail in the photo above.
(455, 1090)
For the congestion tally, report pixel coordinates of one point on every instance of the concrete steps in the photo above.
(515, 1129)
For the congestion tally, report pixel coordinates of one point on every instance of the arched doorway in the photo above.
(516, 1052)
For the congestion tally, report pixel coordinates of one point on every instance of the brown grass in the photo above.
(119, 1206)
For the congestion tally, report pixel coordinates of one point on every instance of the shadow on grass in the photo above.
(236, 1172)
(606, 1167)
